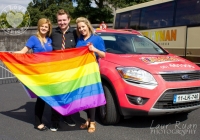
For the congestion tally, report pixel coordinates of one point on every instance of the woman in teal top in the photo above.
(39, 43)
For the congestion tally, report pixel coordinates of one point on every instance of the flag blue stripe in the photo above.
(67, 98)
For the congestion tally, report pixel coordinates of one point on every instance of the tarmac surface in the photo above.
(17, 119)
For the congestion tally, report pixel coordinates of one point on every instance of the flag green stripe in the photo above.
(66, 87)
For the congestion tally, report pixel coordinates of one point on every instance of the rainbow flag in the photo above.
(30, 93)
(68, 80)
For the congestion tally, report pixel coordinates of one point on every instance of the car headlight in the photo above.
(136, 75)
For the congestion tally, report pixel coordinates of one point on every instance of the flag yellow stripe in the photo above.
(58, 77)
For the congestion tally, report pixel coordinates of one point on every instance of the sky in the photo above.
(24, 3)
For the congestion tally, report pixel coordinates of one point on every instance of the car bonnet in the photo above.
(152, 63)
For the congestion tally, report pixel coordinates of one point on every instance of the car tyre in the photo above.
(109, 113)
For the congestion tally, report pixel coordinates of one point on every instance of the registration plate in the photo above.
(181, 98)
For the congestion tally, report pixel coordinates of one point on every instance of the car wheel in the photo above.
(109, 113)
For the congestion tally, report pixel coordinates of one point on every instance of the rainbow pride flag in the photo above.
(69, 80)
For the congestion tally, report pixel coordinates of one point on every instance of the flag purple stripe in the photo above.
(82, 104)
(30, 93)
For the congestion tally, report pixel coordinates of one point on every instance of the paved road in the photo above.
(17, 118)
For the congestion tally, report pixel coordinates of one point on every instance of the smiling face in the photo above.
(44, 28)
(83, 29)
(63, 21)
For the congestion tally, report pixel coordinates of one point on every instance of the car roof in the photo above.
(122, 31)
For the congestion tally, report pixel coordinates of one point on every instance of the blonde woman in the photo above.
(39, 43)
(87, 36)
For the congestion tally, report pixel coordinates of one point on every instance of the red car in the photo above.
(141, 78)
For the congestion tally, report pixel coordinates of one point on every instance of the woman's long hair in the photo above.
(87, 22)
(40, 23)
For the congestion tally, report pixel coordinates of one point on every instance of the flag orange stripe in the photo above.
(50, 67)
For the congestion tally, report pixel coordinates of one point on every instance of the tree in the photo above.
(115, 3)
(48, 9)
(83, 8)
(104, 10)
(94, 14)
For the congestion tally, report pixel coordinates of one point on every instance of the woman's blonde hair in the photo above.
(87, 22)
(40, 23)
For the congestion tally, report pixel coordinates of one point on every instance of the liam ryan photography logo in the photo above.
(176, 129)
(14, 19)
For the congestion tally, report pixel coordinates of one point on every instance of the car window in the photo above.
(144, 45)
(129, 44)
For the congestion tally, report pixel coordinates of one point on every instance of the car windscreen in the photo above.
(130, 44)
